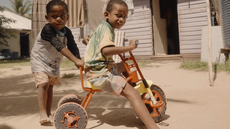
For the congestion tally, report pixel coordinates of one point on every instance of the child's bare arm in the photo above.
(65, 51)
(108, 51)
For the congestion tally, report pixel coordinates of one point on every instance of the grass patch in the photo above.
(12, 63)
(66, 63)
(195, 65)
(144, 63)
(203, 66)
(16, 68)
(141, 63)
(223, 67)
(26, 62)
(69, 75)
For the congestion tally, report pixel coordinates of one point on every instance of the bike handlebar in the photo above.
(136, 42)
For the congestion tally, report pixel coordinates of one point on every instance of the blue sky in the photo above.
(8, 4)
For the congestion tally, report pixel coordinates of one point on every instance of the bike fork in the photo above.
(150, 93)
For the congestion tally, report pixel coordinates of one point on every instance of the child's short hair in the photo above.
(112, 2)
(56, 2)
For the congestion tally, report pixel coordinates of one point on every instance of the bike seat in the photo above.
(91, 85)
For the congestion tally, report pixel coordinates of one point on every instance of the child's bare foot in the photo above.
(51, 119)
(47, 121)
(44, 121)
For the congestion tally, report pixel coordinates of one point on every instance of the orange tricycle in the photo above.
(71, 112)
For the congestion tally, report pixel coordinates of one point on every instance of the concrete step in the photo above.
(179, 57)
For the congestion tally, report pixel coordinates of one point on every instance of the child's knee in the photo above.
(43, 86)
(120, 67)
(129, 91)
(50, 86)
(135, 94)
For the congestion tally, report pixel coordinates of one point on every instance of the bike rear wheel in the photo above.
(70, 98)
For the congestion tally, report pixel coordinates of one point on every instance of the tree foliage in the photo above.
(5, 33)
(21, 8)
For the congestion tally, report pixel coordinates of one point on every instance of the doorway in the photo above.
(168, 11)
(24, 45)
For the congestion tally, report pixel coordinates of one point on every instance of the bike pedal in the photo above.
(159, 104)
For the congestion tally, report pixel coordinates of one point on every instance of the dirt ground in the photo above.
(191, 102)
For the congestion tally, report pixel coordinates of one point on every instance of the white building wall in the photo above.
(192, 17)
(78, 40)
(139, 26)
(217, 44)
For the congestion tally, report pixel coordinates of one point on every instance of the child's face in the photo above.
(117, 16)
(57, 16)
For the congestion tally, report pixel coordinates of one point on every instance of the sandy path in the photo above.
(192, 103)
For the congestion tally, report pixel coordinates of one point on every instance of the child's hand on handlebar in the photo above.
(133, 43)
(79, 63)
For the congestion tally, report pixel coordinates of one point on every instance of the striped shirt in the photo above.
(97, 64)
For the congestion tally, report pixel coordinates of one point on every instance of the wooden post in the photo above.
(211, 82)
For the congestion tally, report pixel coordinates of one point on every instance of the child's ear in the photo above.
(106, 14)
(46, 16)
(67, 16)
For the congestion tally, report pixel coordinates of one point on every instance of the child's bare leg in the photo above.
(49, 102)
(49, 99)
(42, 101)
(134, 97)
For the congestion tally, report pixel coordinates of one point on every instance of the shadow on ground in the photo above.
(5, 127)
(18, 96)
